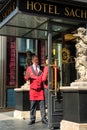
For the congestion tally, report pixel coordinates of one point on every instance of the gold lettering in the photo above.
(84, 14)
(66, 11)
(14, 5)
(6, 12)
(4, 15)
(37, 6)
(77, 13)
(72, 13)
(51, 8)
(10, 10)
(29, 5)
(45, 7)
(56, 10)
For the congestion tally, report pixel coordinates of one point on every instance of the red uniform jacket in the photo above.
(36, 87)
(45, 77)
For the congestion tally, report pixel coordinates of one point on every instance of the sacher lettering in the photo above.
(79, 13)
(56, 9)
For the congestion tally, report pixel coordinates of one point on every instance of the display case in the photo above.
(21, 68)
(10, 75)
(11, 63)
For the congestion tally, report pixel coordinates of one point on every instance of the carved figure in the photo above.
(81, 54)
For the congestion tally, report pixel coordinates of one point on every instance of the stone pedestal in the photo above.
(82, 85)
(22, 103)
(25, 114)
(21, 114)
(75, 107)
(68, 125)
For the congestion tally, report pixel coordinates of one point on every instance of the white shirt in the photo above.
(38, 67)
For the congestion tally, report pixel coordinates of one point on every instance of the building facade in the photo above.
(44, 28)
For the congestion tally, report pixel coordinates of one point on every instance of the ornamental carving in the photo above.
(81, 54)
(65, 55)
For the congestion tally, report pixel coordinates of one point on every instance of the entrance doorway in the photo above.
(45, 21)
(62, 49)
(65, 52)
(61, 53)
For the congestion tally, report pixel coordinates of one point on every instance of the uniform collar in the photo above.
(38, 67)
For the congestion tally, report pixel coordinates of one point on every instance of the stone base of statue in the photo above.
(75, 106)
(25, 114)
(79, 84)
(22, 102)
(21, 114)
(68, 125)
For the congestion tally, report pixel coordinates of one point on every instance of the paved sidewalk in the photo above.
(8, 122)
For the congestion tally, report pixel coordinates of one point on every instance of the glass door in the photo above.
(64, 53)
(62, 49)
(61, 66)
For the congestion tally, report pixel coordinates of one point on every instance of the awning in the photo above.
(23, 25)
(27, 24)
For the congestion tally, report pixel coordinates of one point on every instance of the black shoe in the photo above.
(31, 122)
(45, 121)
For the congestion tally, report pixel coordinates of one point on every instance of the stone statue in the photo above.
(81, 54)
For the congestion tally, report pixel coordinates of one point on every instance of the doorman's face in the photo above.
(35, 60)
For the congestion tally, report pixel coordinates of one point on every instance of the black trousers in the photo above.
(33, 108)
(46, 96)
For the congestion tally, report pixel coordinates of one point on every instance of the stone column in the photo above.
(75, 108)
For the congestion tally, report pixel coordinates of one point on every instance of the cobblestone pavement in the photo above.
(8, 122)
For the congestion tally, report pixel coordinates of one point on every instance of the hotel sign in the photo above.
(45, 8)
(56, 9)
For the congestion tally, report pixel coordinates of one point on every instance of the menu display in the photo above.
(11, 63)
